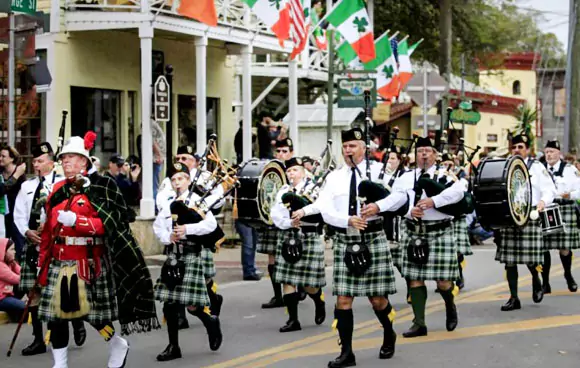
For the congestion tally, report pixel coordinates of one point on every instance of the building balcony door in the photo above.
(98, 110)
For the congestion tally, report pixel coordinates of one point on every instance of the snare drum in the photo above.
(503, 193)
(551, 220)
(260, 181)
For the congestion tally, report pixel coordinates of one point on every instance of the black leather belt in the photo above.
(373, 226)
(412, 226)
(562, 201)
(311, 229)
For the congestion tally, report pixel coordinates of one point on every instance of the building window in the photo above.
(187, 118)
(517, 88)
(492, 138)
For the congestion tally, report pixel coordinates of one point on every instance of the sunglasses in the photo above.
(180, 159)
(519, 146)
(282, 151)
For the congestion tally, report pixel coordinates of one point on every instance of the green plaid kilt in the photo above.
(442, 263)
(570, 238)
(101, 295)
(460, 230)
(27, 273)
(378, 280)
(309, 270)
(207, 263)
(192, 291)
(521, 245)
(397, 253)
(268, 239)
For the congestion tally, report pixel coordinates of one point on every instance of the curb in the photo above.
(4, 319)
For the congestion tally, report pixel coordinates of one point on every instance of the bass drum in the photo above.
(503, 193)
(260, 181)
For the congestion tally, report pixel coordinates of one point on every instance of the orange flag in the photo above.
(201, 10)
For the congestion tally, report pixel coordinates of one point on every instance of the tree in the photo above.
(526, 117)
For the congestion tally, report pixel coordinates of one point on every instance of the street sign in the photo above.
(351, 92)
(465, 116)
(436, 86)
(162, 98)
(23, 6)
(433, 122)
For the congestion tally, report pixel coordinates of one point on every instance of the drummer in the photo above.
(525, 245)
(567, 180)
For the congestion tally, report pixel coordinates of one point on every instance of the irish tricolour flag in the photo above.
(386, 68)
(405, 66)
(350, 18)
(275, 14)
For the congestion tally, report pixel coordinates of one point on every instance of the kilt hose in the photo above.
(268, 239)
(521, 245)
(27, 271)
(570, 238)
(101, 294)
(461, 233)
(442, 263)
(309, 270)
(192, 291)
(378, 280)
(207, 263)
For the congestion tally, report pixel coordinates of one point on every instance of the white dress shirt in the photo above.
(569, 182)
(163, 225)
(166, 194)
(280, 214)
(403, 191)
(23, 205)
(543, 188)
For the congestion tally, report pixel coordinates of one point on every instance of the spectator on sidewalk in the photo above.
(9, 279)
(13, 175)
(159, 153)
(249, 241)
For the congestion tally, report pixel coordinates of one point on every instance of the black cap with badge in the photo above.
(178, 168)
(42, 149)
(294, 161)
(521, 138)
(185, 150)
(423, 142)
(285, 143)
(555, 144)
(354, 134)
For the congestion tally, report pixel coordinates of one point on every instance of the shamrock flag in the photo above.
(318, 34)
(405, 66)
(275, 14)
(386, 68)
(350, 18)
(414, 46)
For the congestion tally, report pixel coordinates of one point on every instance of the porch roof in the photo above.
(317, 115)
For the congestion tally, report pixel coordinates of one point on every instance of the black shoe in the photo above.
(171, 352)
(537, 294)
(572, 286)
(547, 289)
(415, 331)
(214, 334)
(291, 326)
(320, 313)
(182, 324)
(512, 304)
(388, 349)
(452, 319)
(254, 277)
(80, 334)
(217, 307)
(345, 359)
(460, 283)
(37, 347)
(273, 303)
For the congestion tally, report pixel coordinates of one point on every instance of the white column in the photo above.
(54, 16)
(247, 101)
(201, 92)
(293, 103)
(52, 124)
(147, 209)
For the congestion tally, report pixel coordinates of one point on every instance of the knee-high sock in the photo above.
(345, 325)
(448, 297)
(317, 297)
(204, 317)
(567, 264)
(171, 313)
(291, 302)
(418, 302)
(211, 293)
(59, 334)
(383, 317)
(546, 268)
(276, 286)
(512, 279)
(536, 282)
(36, 324)
(460, 259)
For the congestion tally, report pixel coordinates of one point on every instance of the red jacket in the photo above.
(9, 273)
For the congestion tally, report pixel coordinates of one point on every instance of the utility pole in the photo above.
(462, 90)
(571, 129)
(330, 83)
(445, 31)
(11, 82)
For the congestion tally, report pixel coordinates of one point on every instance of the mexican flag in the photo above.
(405, 66)
(276, 15)
(386, 68)
(351, 20)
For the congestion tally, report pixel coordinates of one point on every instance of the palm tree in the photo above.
(526, 119)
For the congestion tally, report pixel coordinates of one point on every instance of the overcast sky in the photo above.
(555, 14)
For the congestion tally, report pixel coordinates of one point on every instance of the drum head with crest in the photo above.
(272, 179)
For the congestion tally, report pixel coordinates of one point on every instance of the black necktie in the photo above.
(34, 220)
(352, 194)
(551, 168)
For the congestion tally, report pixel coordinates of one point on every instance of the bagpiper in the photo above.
(525, 245)
(300, 255)
(567, 180)
(182, 280)
(363, 266)
(27, 217)
(90, 265)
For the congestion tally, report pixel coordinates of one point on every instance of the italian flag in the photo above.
(405, 66)
(351, 20)
(275, 14)
(386, 68)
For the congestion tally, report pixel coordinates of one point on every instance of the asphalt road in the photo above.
(539, 335)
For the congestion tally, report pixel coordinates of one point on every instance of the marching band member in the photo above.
(427, 230)
(188, 290)
(308, 270)
(269, 237)
(27, 217)
(338, 204)
(525, 245)
(567, 180)
(90, 265)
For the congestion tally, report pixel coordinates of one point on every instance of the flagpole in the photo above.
(330, 84)
(404, 39)
(394, 35)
